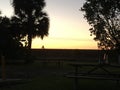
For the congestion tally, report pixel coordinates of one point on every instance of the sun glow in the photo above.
(68, 29)
(55, 43)
(65, 34)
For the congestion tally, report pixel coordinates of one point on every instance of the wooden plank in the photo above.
(100, 65)
(93, 77)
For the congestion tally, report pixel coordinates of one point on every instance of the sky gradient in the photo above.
(68, 29)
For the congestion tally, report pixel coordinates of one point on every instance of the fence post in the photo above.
(3, 67)
(76, 78)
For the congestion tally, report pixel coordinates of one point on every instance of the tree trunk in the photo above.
(30, 28)
(28, 54)
(29, 41)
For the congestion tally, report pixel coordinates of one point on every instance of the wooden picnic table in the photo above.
(94, 67)
(91, 72)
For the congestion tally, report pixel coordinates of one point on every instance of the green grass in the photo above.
(43, 83)
(60, 83)
(51, 78)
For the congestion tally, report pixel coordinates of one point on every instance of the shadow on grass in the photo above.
(51, 78)
(54, 82)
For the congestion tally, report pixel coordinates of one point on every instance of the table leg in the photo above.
(76, 79)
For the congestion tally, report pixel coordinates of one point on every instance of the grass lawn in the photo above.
(59, 83)
(50, 77)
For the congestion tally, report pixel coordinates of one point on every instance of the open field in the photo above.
(48, 76)
(78, 55)
(47, 71)
(81, 55)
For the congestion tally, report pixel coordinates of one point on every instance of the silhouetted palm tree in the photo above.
(35, 21)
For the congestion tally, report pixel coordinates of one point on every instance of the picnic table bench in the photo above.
(93, 71)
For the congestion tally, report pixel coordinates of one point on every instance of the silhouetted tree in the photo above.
(35, 21)
(4, 33)
(10, 43)
(104, 18)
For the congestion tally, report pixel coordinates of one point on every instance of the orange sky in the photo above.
(68, 29)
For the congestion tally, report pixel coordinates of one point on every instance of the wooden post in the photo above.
(3, 67)
(118, 58)
(76, 78)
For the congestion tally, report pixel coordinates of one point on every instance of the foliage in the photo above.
(10, 45)
(35, 21)
(104, 18)
(28, 22)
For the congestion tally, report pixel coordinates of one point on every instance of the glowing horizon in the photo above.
(52, 43)
(68, 29)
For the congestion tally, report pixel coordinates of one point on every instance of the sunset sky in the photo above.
(68, 29)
